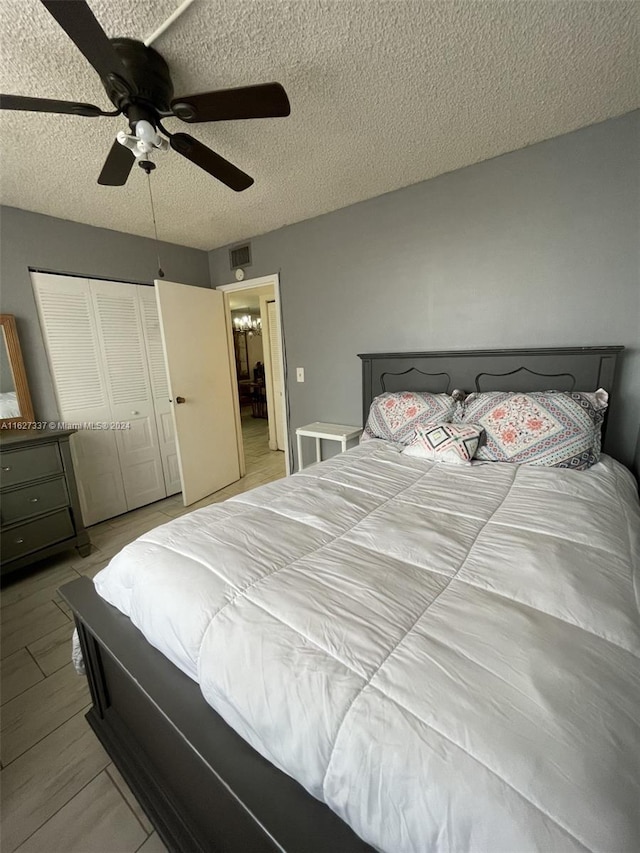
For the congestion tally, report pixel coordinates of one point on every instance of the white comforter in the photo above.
(448, 656)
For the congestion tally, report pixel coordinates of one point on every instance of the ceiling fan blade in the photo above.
(211, 162)
(44, 105)
(80, 24)
(266, 100)
(117, 166)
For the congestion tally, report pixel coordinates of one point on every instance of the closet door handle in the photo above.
(180, 400)
(34, 500)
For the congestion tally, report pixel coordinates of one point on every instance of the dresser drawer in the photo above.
(20, 466)
(34, 499)
(36, 534)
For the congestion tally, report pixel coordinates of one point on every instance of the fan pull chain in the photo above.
(155, 227)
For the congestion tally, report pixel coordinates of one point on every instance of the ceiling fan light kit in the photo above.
(143, 141)
(137, 81)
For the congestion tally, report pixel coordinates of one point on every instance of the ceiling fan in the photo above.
(137, 81)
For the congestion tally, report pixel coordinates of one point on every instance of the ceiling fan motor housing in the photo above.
(150, 74)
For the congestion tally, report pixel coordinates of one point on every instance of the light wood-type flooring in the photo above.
(60, 791)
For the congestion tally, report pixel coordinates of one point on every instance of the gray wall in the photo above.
(535, 248)
(57, 245)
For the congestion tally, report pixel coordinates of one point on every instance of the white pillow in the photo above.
(453, 443)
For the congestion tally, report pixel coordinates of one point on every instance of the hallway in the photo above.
(260, 461)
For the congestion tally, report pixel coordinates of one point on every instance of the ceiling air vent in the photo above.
(240, 256)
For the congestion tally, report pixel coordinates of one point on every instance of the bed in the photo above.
(447, 658)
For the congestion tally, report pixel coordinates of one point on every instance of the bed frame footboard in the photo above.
(202, 786)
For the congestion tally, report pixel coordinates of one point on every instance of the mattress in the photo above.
(447, 656)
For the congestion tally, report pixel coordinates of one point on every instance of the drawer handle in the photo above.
(19, 541)
(34, 500)
(7, 468)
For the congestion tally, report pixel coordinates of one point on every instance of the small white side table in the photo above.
(330, 432)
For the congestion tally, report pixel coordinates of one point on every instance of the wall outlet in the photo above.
(300, 374)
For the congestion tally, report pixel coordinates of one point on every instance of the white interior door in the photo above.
(121, 339)
(275, 344)
(159, 388)
(194, 337)
(69, 329)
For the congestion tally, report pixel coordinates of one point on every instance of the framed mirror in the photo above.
(15, 400)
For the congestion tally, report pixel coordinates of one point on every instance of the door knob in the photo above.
(180, 400)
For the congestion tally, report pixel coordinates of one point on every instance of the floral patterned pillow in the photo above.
(454, 443)
(396, 416)
(559, 429)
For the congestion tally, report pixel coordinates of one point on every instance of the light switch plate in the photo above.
(300, 374)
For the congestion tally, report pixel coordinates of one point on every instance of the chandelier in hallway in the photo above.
(247, 323)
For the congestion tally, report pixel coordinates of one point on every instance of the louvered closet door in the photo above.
(159, 388)
(119, 327)
(70, 335)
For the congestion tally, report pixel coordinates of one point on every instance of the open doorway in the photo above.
(255, 344)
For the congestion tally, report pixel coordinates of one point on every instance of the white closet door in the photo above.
(159, 388)
(275, 345)
(70, 335)
(119, 327)
(194, 337)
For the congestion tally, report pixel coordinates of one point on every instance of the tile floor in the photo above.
(60, 791)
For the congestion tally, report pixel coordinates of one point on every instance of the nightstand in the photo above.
(329, 432)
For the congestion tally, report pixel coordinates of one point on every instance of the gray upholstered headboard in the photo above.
(562, 369)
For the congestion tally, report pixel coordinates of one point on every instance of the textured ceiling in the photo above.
(384, 93)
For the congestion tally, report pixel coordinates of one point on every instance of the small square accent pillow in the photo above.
(558, 429)
(454, 443)
(396, 416)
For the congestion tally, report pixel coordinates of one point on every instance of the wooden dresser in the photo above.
(39, 506)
